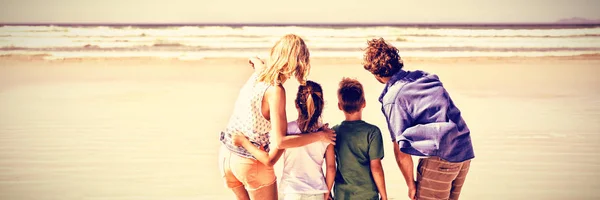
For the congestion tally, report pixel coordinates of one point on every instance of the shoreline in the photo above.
(333, 25)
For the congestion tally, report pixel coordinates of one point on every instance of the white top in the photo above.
(303, 167)
(247, 117)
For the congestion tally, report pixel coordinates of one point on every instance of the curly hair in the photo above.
(382, 59)
(351, 95)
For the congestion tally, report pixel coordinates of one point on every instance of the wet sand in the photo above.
(148, 129)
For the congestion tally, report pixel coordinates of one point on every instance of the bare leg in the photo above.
(265, 193)
(240, 193)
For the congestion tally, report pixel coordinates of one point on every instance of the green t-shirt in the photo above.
(357, 143)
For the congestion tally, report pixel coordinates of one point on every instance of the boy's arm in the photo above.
(268, 159)
(375, 155)
(331, 169)
(378, 177)
(405, 163)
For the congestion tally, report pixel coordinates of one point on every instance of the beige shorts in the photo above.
(239, 171)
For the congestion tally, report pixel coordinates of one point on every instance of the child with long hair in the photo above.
(303, 176)
(259, 114)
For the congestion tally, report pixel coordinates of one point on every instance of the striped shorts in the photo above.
(440, 179)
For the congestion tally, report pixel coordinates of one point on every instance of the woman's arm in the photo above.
(276, 101)
(268, 159)
(256, 63)
(326, 135)
(331, 169)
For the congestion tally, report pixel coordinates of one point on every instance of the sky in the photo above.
(300, 11)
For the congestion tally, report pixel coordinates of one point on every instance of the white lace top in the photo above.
(247, 118)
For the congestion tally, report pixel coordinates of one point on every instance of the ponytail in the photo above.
(310, 111)
(310, 102)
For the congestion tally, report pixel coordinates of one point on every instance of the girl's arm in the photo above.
(276, 100)
(268, 159)
(331, 169)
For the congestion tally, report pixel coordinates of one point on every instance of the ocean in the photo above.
(191, 42)
(147, 129)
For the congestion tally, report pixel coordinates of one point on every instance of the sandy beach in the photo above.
(131, 129)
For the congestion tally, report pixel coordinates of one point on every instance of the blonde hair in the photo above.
(289, 56)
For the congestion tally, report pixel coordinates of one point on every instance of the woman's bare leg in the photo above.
(240, 193)
(267, 193)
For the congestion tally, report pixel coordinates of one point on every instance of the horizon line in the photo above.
(300, 24)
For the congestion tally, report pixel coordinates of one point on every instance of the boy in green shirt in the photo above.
(358, 149)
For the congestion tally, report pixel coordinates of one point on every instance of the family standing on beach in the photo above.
(421, 117)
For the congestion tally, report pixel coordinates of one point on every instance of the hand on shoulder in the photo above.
(327, 135)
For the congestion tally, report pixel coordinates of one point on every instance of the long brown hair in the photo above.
(310, 102)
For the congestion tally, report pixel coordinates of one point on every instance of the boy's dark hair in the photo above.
(310, 102)
(351, 95)
(381, 58)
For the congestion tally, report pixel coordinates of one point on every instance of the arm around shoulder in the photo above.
(276, 99)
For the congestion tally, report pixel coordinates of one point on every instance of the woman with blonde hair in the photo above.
(259, 115)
